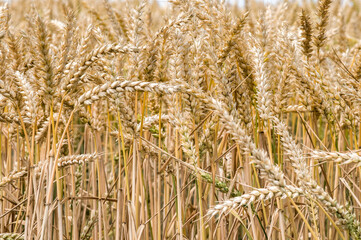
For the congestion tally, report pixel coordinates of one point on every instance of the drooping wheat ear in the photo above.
(338, 157)
(10, 118)
(272, 172)
(256, 195)
(108, 89)
(297, 108)
(323, 13)
(306, 29)
(152, 120)
(345, 218)
(11, 236)
(259, 157)
(76, 159)
(22, 172)
(13, 176)
(86, 61)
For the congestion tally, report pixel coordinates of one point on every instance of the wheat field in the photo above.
(192, 120)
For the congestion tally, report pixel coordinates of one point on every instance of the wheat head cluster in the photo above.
(191, 120)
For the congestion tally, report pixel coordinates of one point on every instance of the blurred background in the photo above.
(238, 2)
